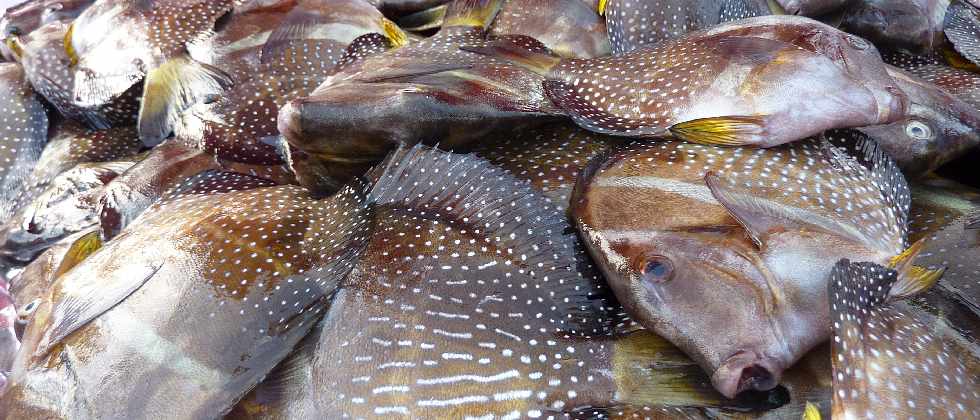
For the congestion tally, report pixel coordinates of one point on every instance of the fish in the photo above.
(192, 301)
(569, 28)
(71, 143)
(723, 86)
(963, 29)
(468, 299)
(915, 26)
(364, 111)
(406, 7)
(811, 8)
(956, 247)
(30, 15)
(889, 361)
(115, 45)
(726, 251)
(9, 342)
(938, 202)
(23, 133)
(965, 85)
(66, 206)
(634, 24)
(939, 128)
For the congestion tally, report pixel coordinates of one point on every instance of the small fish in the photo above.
(811, 8)
(27, 16)
(68, 205)
(224, 296)
(762, 81)
(635, 23)
(570, 28)
(910, 25)
(963, 29)
(23, 133)
(890, 361)
(726, 251)
(115, 44)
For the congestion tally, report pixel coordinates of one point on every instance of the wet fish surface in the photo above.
(23, 133)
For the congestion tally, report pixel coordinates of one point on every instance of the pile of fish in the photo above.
(293, 209)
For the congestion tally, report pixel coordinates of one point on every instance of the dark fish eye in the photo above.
(29, 308)
(658, 269)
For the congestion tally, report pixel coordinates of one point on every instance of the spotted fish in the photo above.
(27, 16)
(693, 238)
(911, 25)
(9, 343)
(811, 8)
(223, 298)
(937, 203)
(633, 24)
(23, 132)
(963, 29)
(468, 300)
(957, 248)
(965, 85)
(888, 361)
(117, 44)
(762, 81)
(570, 28)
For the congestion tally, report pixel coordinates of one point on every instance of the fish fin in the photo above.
(601, 7)
(428, 19)
(86, 300)
(961, 27)
(70, 46)
(857, 287)
(973, 221)
(171, 89)
(422, 178)
(751, 50)
(412, 70)
(394, 33)
(723, 131)
(811, 412)
(362, 47)
(593, 118)
(522, 50)
(472, 13)
(79, 251)
(912, 279)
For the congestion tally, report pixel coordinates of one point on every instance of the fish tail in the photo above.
(472, 13)
(171, 89)
(428, 19)
(912, 279)
(601, 7)
(522, 50)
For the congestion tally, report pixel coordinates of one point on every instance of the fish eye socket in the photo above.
(30, 307)
(918, 130)
(658, 269)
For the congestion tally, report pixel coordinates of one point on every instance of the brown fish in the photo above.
(762, 81)
(963, 29)
(23, 132)
(889, 362)
(957, 248)
(404, 7)
(726, 251)
(29, 15)
(635, 23)
(570, 28)
(965, 85)
(811, 8)
(223, 297)
(910, 25)
(71, 144)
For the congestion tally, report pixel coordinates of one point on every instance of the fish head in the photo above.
(901, 24)
(105, 63)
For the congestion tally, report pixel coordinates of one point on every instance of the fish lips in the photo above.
(747, 371)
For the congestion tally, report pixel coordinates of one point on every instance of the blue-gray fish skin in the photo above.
(910, 25)
(889, 359)
(224, 297)
(570, 28)
(726, 251)
(633, 24)
(23, 133)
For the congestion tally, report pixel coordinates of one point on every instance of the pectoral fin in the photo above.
(171, 89)
(723, 131)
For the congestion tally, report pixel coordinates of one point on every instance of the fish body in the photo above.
(633, 24)
(762, 81)
(911, 25)
(694, 237)
(570, 28)
(964, 84)
(957, 247)
(811, 8)
(890, 359)
(23, 133)
(27, 16)
(186, 312)
(9, 342)
(962, 28)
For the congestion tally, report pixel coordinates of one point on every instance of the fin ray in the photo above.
(171, 89)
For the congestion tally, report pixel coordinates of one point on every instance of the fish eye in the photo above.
(918, 130)
(658, 269)
(29, 308)
(857, 42)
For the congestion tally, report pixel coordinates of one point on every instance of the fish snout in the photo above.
(746, 371)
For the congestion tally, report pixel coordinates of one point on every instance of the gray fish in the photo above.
(223, 297)
(811, 8)
(23, 132)
(937, 203)
(726, 251)
(29, 15)
(570, 28)
(762, 81)
(890, 362)
(911, 25)
(963, 29)
(635, 23)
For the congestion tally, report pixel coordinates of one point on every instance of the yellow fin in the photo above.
(79, 251)
(69, 48)
(912, 279)
(811, 412)
(958, 61)
(395, 35)
(472, 13)
(13, 43)
(722, 131)
(601, 8)
(171, 89)
(425, 20)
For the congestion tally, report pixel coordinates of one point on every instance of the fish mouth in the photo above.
(746, 371)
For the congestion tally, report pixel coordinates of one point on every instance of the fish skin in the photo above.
(937, 203)
(199, 234)
(957, 248)
(965, 85)
(27, 16)
(404, 7)
(67, 205)
(649, 206)
(633, 24)
(9, 342)
(870, 332)
(23, 133)
(811, 8)
(963, 29)
(570, 28)
(71, 143)
(911, 25)
(737, 79)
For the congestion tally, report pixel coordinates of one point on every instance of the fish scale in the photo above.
(963, 84)
(23, 133)
(963, 29)
(956, 248)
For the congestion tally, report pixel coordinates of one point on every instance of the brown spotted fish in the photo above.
(726, 251)
(23, 132)
(27, 16)
(890, 362)
(811, 8)
(965, 85)
(957, 248)
(117, 44)
(569, 28)
(469, 301)
(762, 81)
(963, 29)
(937, 203)
(910, 25)
(635, 23)
(224, 296)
